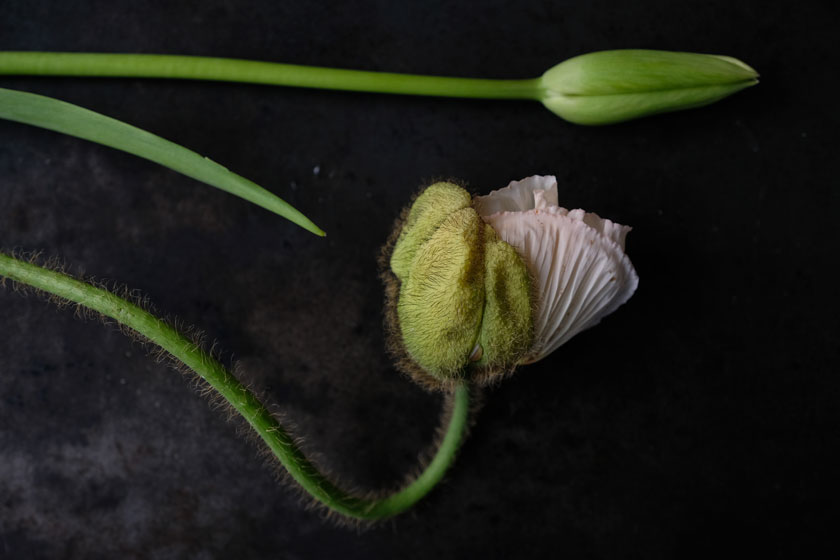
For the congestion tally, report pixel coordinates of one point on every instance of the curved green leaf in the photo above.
(52, 114)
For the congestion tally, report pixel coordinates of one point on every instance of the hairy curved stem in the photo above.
(244, 401)
(60, 116)
(256, 72)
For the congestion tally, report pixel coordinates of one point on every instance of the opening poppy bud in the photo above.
(476, 286)
(612, 86)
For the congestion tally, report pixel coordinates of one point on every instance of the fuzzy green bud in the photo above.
(612, 86)
(464, 295)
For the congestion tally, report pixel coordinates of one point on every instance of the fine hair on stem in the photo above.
(188, 353)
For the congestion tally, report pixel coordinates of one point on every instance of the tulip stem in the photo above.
(243, 401)
(257, 72)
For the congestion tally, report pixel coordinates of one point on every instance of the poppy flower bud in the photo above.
(476, 286)
(463, 301)
(612, 86)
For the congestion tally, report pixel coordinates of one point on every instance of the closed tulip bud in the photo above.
(612, 86)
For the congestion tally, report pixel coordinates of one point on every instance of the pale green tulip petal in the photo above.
(612, 86)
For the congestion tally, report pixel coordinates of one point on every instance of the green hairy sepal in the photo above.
(463, 300)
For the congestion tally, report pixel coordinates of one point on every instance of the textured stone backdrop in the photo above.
(702, 414)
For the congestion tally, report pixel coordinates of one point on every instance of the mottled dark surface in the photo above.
(703, 416)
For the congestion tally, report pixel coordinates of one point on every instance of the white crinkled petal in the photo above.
(577, 260)
(518, 196)
(607, 228)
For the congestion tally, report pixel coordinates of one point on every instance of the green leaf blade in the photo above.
(66, 118)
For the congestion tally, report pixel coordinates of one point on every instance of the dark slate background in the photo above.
(703, 416)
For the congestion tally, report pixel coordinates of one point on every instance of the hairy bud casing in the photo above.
(463, 303)
(478, 285)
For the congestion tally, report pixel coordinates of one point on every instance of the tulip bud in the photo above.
(612, 86)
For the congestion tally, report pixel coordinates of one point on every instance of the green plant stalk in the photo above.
(52, 114)
(278, 440)
(257, 72)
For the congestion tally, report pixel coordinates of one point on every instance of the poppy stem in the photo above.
(243, 401)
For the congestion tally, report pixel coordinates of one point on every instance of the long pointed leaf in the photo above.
(52, 114)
